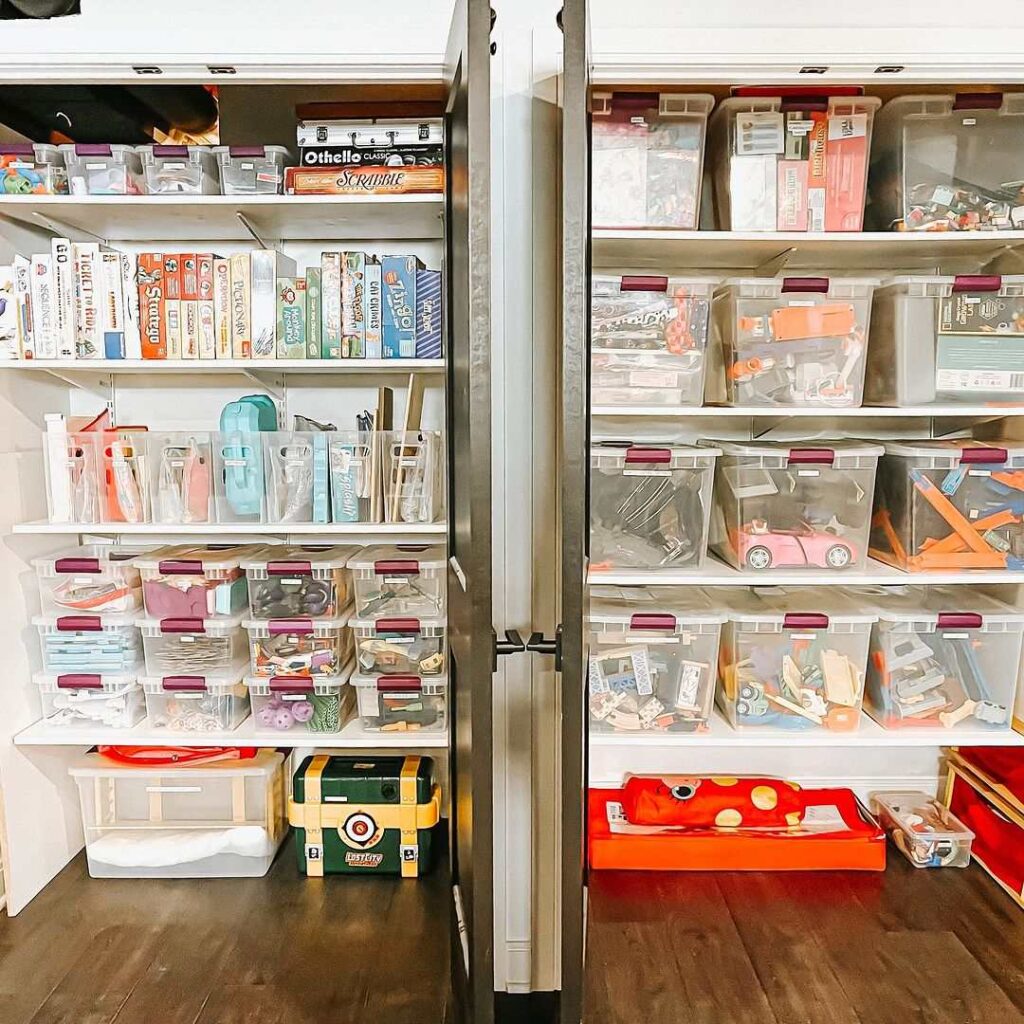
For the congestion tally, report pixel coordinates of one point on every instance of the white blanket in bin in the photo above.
(162, 848)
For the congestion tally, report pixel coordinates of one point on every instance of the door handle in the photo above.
(511, 644)
(540, 644)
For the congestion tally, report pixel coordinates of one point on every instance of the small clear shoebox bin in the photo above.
(301, 704)
(781, 163)
(191, 704)
(402, 703)
(794, 660)
(400, 646)
(299, 581)
(251, 170)
(400, 581)
(947, 339)
(79, 699)
(183, 582)
(926, 833)
(650, 506)
(181, 476)
(193, 646)
(950, 505)
(239, 487)
(95, 579)
(778, 507)
(179, 170)
(653, 660)
(218, 820)
(647, 159)
(101, 169)
(649, 334)
(943, 657)
(786, 341)
(413, 463)
(948, 163)
(32, 168)
(298, 647)
(105, 644)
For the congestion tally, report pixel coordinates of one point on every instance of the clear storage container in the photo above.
(945, 658)
(653, 660)
(650, 506)
(197, 703)
(350, 456)
(402, 703)
(193, 646)
(792, 340)
(948, 163)
(794, 660)
(239, 488)
(32, 168)
(183, 582)
(299, 581)
(778, 507)
(181, 476)
(95, 579)
(124, 476)
(950, 505)
(298, 647)
(791, 163)
(413, 464)
(99, 169)
(648, 339)
(399, 581)
(218, 820)
(400, 646)
(647, 159)
(947, 339)
(73, 477)
(179, 170)
(91, 644)
(298, 488)
(301, 704)
(925, 832)
(84, 699)
(251, 170)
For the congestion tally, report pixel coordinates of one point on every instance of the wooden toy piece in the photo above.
(883, 521)
(960, 524)
(842, 680)
(795, 708)
(791, 676)
(955, 717)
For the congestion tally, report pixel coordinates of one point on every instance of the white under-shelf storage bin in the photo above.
(101, 169)
(32, 168)
(400, 580)
(402, 703)
(189, 582)
(301, 704)
(193, 646)
(299, 581)
(77, 700)
(74, 644)
(217, 820)
(251, 170)
(179, 170)
(197, 703)
(94, 580)
(400, 646)
(298, 647)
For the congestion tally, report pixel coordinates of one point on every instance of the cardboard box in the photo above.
(43, 307)
(358, 156)
(241, 324)
(63, 266)
(313, 319)
(374, 309)
(266, 266)
(88, 338)
(330, 305)
(428, 314)
(130, 294)
(353, 305)
(847, 159)
(189, 305)
(817, 171)
(111, 303)
(222, 307)
(291, 318)
(150, 280)
(398, 274)
(356, 181)
(205, 307)
(23, 298)
(172, 304)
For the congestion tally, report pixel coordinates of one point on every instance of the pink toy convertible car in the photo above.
(762, 548)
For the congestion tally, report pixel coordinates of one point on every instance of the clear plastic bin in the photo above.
(397, 581)
(350, 456)
(950, 505)
(197, 703)
(647, 159)
(305, 704)
(794, 660)
(183, 582)
(124, 476)
(791, 163)
(219, 820)
(947, 339)
(98, 169)
(650, 506)
(82, 699)
(91, 644)
(793, 340)
(251, 170)
(413, 464)
(179, 170)
(948, 163)
(239, 488)
(648, 339)
(297, 476)
(653, 660)
(93, 580)
(778, 507)
(402, 703)
(400, 646)
(945, 658)
(181, 476)
(32, 168)
(300, 581)
(193, 646)
(73, 478)
(298, 647)
(926, 833)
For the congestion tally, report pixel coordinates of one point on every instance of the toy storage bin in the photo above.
(778, 507)
(948, 163)
(299, 581)
(947, 339)
(792, 340)
(218, 820)
(924, 831)
(298, 647)
(81, 699)
(73, 477)
(650, 506)
(95, 579)
(198, 703)
(794, 660)
(182, 582)
(783, 163)
(648, 338)
(181, 476)
(179, 170)
(413, 463)
(32, 168)
(301, 704)
(402, 703)
(89, 644)
(399, 581)
(647, 155)
(193, 646)
(653, 660)
(239, 488)
(296, 476)
(98, 169)
(251, 170)
(400, 646)
(350, 461)
(950, 505)
(943, 657)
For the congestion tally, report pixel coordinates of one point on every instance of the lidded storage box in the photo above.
(95, 579)
(32, 168)
(312, 704)
(251, 170)
(399, 581)
(193, 646)
(106, 644)
(197, 703)
(100, 169)
(925, 832)
(179, 170)
(402, 703)
(205, 582)
(400, 646)
(299, 581)
(82, 699)
(299, 647)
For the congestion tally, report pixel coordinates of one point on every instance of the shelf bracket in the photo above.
(770, 267)
(1006, 252)
(59, 227)
(101, 385)
(270, 382)
(250, 227)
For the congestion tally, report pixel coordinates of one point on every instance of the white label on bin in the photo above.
(176, 165)
(801, 302)
(803, 636)
(760, 132)
(979, 380)
(647, 472)
(95, 167)
(21, 163)
(188, 696)
(955, 636)
(293, 696)
(186, 639)
(246, 166)
(979, 472)
(808, 472)
(969, 122)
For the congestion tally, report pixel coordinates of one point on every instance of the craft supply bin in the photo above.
(100, 169)
(402, 703)
(301, 704)
(350, 460)
(181, 476)
(399, 581)
(96, 579)
(251, 170)
(648, 339)
(943, 657)
(400, 646)
(948, 163)
(778, 507)
(218, 820)
(413, 463)
(924, 831)
(83, 699)
(32, 168)
(299, 581)
(124, 476)
(298, 647)
(197, 703)
(650, 506)
(193, 646)
(239, 487)
(179, 170)
(792, 340)
(182, 582)
(653, 661)
(89, 643)
(947, 339)
(647, 159)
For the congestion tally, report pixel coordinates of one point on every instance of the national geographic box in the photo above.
(364, 815)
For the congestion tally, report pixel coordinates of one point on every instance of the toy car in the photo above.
(762, 548)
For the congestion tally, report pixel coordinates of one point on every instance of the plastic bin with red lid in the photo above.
(194, 582)
(251, 170)
(80, 699)
(94, 579)
(179, 170)
(196, 703)
(193, 646)
(402, 703)
(102, 169)
(399, 580)
(400, 646)
(31, 168)
(313, 704)
(107, 643)
(298, 647)
(305, 581)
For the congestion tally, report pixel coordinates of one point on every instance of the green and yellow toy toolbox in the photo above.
(364, 815)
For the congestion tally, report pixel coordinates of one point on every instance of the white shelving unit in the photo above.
(384, 531)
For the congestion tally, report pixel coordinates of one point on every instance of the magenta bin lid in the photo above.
(397, 567)
(17, 149)
(170, 150)
(92, 149)
(640, 283)
(79, 682)
(811, 101)
(977, 101)
(409, 627)
(291, 684)
(805, 620)
(283, 627)
(184, 683)
(289, 569)
(652, 621)
(182, 626)
(247, 151)
(811, 456)
(79, 624)
(804, 284)
(410, 684)
(648, 455)
(72, 565)
(977, 283)
(987, 456)
(181, 567)
(959, 620)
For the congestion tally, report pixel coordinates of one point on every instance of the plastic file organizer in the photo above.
(179, 170)
(948, 163)
(31, 168)
(778, 507)
(217, 820)
(94, 580)
(648, 339)
(80, 698)
(404, 580)
(413, 463)
(947, 339)
(653, 660)
(794, 660)
(924, 831)
(199, 703)
(792, 340)
(304, 581)
(72, 644)
(650, 506)
(301, 704)
(102, 169)
(647, 159)
(181, 476)
(298, 647)
(193, 646)
(251, 170)
(945, 658)
(400, 646)
(402, 703)
(194, 582)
